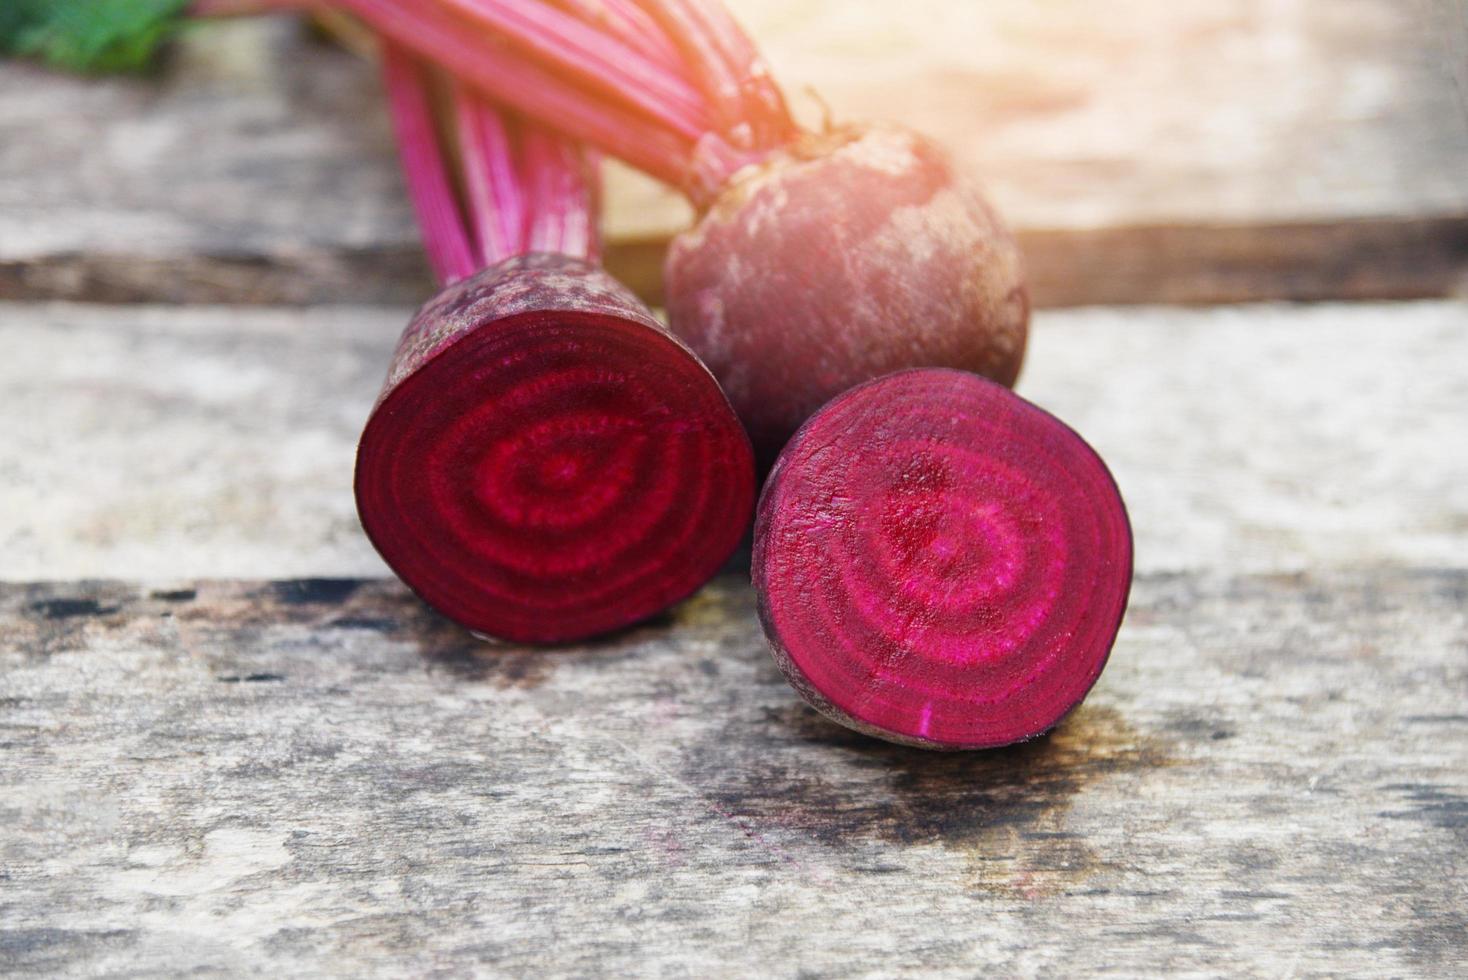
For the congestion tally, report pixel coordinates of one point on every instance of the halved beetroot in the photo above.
(546, 462)
(940, 563)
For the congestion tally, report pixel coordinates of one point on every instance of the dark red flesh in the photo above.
(546, 462)
(940, 563)
(844, 257)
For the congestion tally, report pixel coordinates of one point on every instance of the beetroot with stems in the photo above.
(546, 462)
(818, 261)
(822, 260)
(940, 563)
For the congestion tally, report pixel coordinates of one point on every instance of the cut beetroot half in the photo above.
(546, 462)
(940, 563)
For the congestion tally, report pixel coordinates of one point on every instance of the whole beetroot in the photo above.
(841, 257)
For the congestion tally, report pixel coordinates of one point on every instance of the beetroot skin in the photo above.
(841, 257)
(546, 462)
(940, 563)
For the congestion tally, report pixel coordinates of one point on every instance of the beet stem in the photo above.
(630, 24)
(765, 108)
(614, 74)
(559, 41)
(559, 188)
(566, 45)
(507, 76)
(714, 75)
(748, 104)
(496, 202)
(445, 238)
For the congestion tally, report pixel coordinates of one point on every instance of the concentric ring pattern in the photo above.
(940, 562)
(555, 474)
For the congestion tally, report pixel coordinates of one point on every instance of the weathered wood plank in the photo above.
(151, 442)
(319, 777)
(259, 168)
(1147, 151)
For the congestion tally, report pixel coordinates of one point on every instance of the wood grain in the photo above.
(320, 777)
(231, 744)
(1145, 151)
(156, 442)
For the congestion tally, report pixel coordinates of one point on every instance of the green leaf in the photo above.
(88, 35)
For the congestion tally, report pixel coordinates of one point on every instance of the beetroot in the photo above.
(821, 260)
(842, 257)
(546, 462)
(940, 563)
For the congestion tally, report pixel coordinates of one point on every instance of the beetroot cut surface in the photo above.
(546, 462)
(940, 563)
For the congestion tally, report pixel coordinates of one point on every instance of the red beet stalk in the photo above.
(546, 462)
(940, 563)
(534, 70)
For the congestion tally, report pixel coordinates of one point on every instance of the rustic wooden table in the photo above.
(231, 743)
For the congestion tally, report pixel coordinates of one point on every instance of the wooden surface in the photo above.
(318, 776)
(149, 442)
(1147, 150)
(231, 744)
(307, 771)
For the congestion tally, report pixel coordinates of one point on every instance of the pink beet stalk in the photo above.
(509, 78)
(625, 21)
(716, 76)
(427, 174)
(497, 208)
(732, 73)
(546, 462)
(940, 563)
(560, 196)
(544, 89)
(579, 51)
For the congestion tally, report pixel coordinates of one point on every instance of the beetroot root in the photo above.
(839, 258)
(546, 462)
(940, 563)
